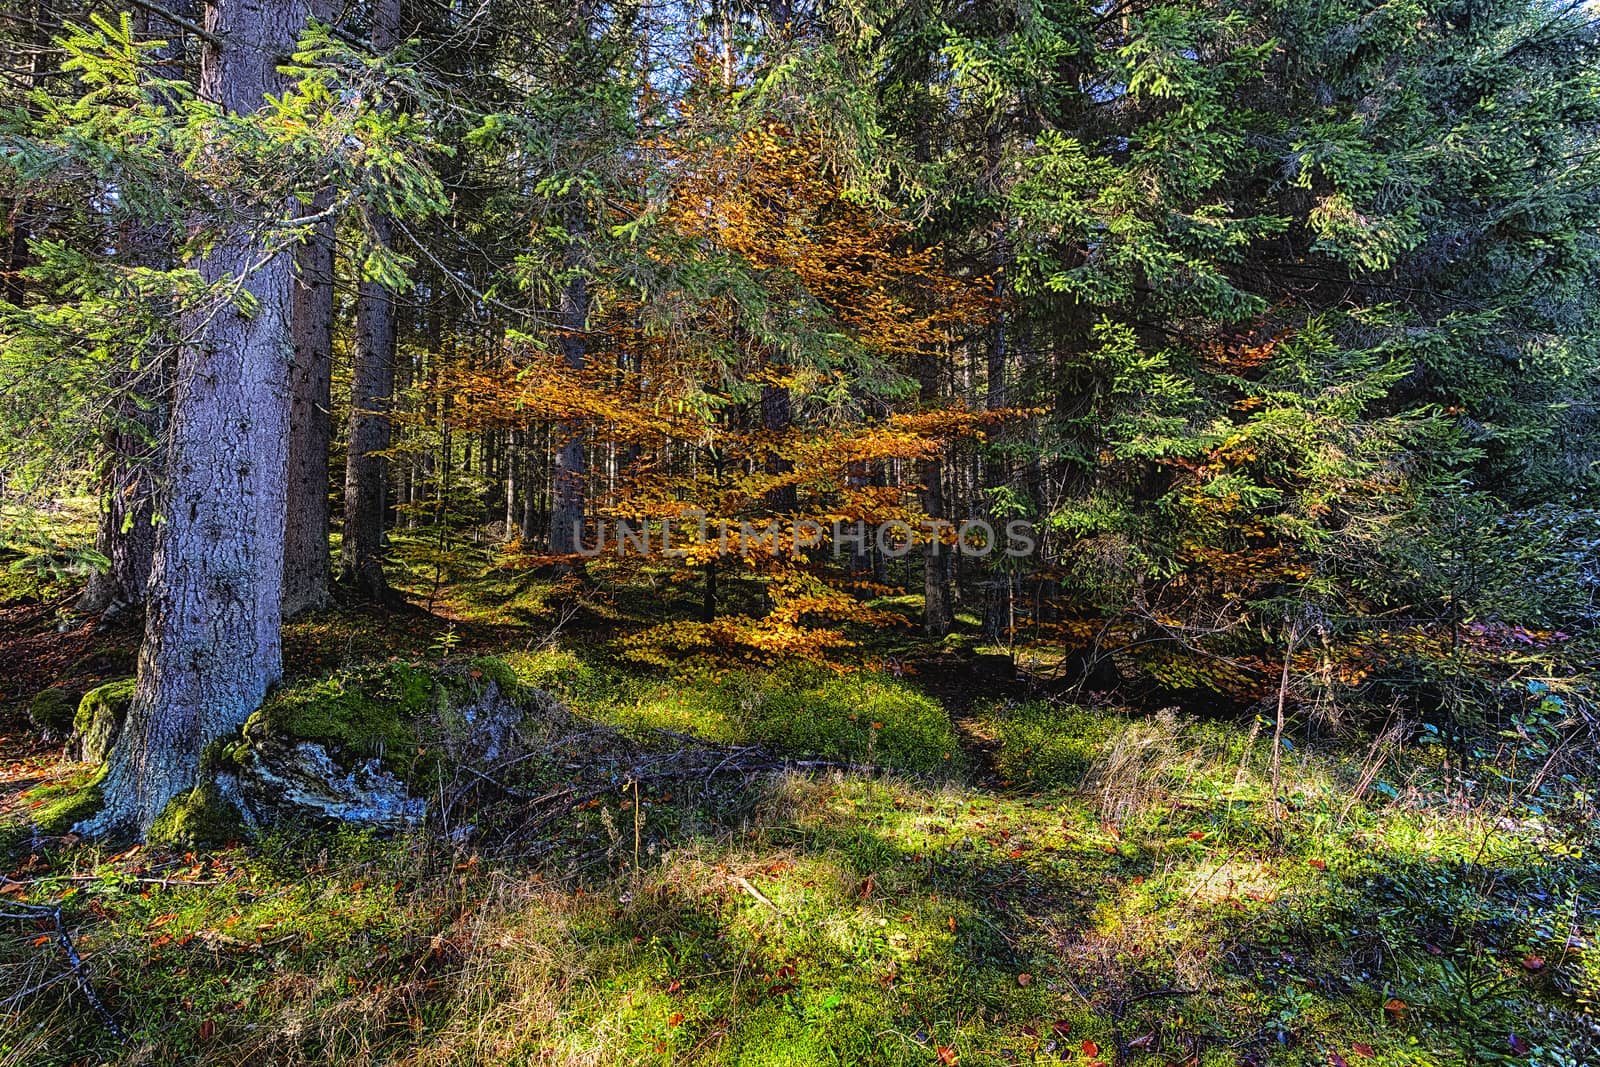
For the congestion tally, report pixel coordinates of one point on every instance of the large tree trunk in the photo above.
(211, 635)
(371, 394)
(307, 562)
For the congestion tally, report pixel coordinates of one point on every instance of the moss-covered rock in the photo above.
(199, 816)
(61, 805)
(366, 746)
(486, 669)
(51, 712)
(369, 713)
(98, 722)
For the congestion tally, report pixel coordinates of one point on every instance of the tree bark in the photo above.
(130, 462)
(211, 644)
(570, 470)
(936, 617)
(371, 394)
(307, 560)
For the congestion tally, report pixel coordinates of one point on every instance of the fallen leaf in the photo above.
(1320, 865)
(1364, 1051)
(1396, 1007)
(1519, 1047)
(947, 1055)
(1533, 963)
(1091, 1049)
(1336, 1060)
(1024, 979)
(675, 1018)
(1062, 1027)
(208, 1029)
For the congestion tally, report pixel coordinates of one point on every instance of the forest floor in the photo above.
(982, 873)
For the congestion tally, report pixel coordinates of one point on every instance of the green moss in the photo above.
(485, 669)
(198, 816)
(59, 806)
(361, 711)
(99, 718)
(863, 716)
(372, 712)
(562, 673)
(1046, 744)
(51, 711)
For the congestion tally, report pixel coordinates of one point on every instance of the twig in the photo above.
(64, 939)
(744, 883)
(179, 21)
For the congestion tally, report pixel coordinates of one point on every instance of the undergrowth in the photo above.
(1142, 899)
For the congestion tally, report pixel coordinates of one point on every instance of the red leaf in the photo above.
(1364, 1051)
(208, 1029)
(1519, 1046)
(1533, 963)
(1062, 1027)
(1091, 1049)
(1318, 864)
(1336, 1060)
(675, 1018)
(947, 1055)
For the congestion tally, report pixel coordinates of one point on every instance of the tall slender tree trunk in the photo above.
(13, 288)
(570, 470)
(936, 615)
(371, 394)
(131, 444)
(307, 560)
(211, 644)
(999, 607)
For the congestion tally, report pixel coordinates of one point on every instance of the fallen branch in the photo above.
(64, 939)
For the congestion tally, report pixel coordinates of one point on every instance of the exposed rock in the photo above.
(281, 778)
(98, 722)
